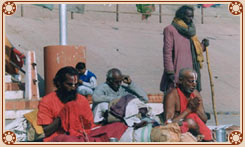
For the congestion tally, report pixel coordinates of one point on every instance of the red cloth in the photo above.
(115, 130)
(204, 130)
(49, 108)
(101, 134)
(76, 118)
(207, 5)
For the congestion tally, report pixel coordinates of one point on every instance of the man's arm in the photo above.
(100, 95)
(200, 110)
(140, 93)
(168, 51)
(92, 84)
(51, 128)
(45, 117)
(169, 107)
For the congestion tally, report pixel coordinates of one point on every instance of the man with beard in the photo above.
(53, 109)
(113, 89)
(182, 48)
(184, 103)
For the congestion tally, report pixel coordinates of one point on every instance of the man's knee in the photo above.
(193, 126)
(84, 90)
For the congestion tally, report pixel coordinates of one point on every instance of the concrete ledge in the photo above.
(10, 95)
(12, 114)
(21, 104)
(153, 98)
(12, 87)
(7, 79)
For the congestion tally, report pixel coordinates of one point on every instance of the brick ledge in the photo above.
(32, 104)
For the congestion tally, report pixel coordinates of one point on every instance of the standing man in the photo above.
(87, 80)
(184, 103)
(182, 48)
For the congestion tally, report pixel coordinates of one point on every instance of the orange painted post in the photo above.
(58, 56)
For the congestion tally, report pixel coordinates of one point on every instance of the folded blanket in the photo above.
(119, 108)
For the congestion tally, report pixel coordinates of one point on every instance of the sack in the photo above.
(32, 119)
(112, 118)
(168, 133)
(34, 131)
(140, 135)
(187, 137)
(32, 135)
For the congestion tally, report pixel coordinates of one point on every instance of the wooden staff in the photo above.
(160, 13)
(117, 13)
(202, 20)
(212, 89)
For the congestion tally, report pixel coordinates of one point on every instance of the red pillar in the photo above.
(58, 56)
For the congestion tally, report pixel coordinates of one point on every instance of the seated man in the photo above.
(185, 103)
(54, 108)
(113, 89)
(87, 80)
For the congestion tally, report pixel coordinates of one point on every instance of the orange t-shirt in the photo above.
(49, 108)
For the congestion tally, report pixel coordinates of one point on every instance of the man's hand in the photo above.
(51, 128)
(193, 104)
(139, 125)
(80, 82)
(171, 77)
(127, 80)
(205, 42)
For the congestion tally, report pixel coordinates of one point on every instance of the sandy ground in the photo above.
(135, 46)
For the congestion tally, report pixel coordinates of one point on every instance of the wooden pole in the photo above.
(21, 10)
(212, 88)
(72, 16)
(160, 13)
(117, 14)
(202, 21)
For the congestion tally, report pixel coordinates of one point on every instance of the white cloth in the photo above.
(19, 127)
(99, 111)
(84, 90)
(132, 109)
(140, 135)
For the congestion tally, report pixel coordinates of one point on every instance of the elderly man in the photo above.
(181, 48)
(184, 103)
(113, 89)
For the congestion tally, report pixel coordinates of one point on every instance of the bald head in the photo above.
(184, 72)
(114, 78)
(187, 80)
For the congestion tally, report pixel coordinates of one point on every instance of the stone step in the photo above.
(13, 114)
(12, 86)
(21, 104)
(8, 78)
(16, 94)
